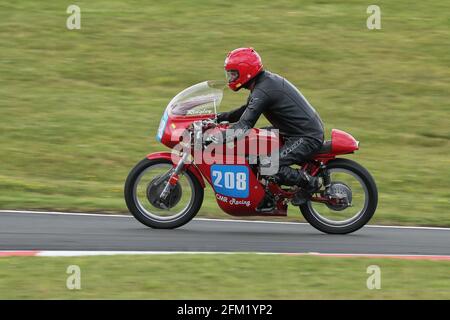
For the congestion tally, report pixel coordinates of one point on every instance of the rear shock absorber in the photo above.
(326, 178)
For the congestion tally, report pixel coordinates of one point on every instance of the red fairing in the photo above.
(176, 126)
(342, 142)
(168, 156)
(238, 206)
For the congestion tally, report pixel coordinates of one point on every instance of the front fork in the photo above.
(173, 179)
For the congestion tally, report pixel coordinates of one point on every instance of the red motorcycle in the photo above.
(165, 190)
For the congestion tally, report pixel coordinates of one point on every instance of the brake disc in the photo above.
(156, 187)
(342, 193)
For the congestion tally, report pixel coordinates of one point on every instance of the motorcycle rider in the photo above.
(285, 108)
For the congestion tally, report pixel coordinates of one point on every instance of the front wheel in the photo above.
(144, 186)
(353, 185)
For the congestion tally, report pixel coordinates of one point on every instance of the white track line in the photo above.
(68, 213)
(214, 220)
(58, 253)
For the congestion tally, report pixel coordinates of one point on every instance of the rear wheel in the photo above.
(356, 199)
(144, 186)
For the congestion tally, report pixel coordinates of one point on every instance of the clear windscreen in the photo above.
(202, 99)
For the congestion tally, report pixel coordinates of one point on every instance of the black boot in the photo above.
(296, 177)
(288, 176)
(308, 185)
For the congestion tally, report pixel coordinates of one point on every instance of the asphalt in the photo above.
(30, 231)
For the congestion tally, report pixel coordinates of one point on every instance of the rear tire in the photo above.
(153, 222)
(363, 218)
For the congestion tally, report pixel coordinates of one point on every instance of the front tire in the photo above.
(358, 221)
(153, 216)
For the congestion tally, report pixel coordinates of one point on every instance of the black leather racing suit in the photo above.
(289, 112)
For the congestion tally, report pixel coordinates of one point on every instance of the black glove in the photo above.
(221, 116)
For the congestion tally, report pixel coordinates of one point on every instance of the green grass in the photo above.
(243, 276)
(79, 108)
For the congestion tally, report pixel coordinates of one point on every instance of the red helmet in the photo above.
(242, 65)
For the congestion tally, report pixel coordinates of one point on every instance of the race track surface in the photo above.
(32, 231)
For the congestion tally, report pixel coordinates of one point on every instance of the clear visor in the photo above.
(232, 75)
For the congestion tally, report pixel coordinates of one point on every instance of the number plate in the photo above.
(230, 180)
